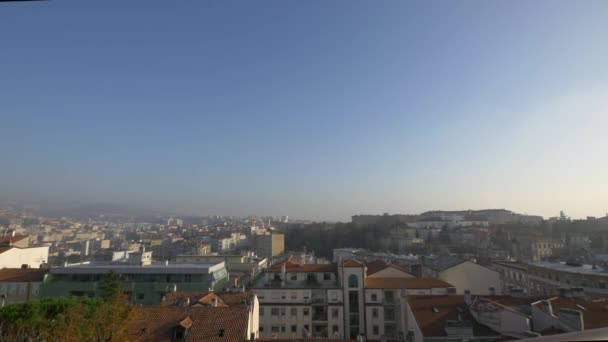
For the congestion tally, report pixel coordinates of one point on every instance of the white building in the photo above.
(338, 300)
(30, 257)
(464, 275)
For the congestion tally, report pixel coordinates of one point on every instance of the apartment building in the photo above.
(268, 245)
(143, 281)
(552, 278)
(463, 274)
(338, 300)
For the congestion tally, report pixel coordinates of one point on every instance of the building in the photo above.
(535, 249)
(487, 318)
(337, 300)
(143, 281)
(513, 276)
(246, 266)
(269, 245)
(551, 278)
(19, 285)
(463, 274)
(29, 257)
(443, 318)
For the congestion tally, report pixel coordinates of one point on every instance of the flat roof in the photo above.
(175, 268)
(561, 266)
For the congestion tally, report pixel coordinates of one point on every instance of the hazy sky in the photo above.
(313, 109)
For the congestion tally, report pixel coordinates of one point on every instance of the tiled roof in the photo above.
(206, 324)
(379, 265)
(352, 263)
(433, 312)
(206, 298)
(404, 283)
(23, 275)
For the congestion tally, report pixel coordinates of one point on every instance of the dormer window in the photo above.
(180, 332)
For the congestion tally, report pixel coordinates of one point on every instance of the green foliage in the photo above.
(65, 319)
(110, 286)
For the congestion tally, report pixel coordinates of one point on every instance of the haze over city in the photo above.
(317, 110)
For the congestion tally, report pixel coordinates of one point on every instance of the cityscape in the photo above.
(440, 275)
(304, 171)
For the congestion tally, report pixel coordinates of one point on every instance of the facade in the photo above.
(248, 267)
(144, 284)
(464, 275)
(513, 275)
(268, 245)
(18, 285)
(338, 300)
(29, 257)
(551, 278)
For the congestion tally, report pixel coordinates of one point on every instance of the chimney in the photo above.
(283, 273)
(468, 300)
(215, 302)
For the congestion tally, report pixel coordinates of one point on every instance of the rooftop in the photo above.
(205, 323)
(405, 283)
(23, 275)
(155, 268)
(561, 266)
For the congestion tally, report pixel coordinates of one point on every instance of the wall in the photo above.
(473, 277)
(33, 256)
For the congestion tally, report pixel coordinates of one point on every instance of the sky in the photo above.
(312, 109)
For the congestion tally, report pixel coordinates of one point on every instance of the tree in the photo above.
(110, 286)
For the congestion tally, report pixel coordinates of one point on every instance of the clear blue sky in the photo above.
(313, 109)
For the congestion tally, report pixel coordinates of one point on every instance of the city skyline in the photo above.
(317, 111)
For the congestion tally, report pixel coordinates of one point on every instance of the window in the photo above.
(282, 328)
(188, 278)
(326, 276)
(140, 296)
(274, 311)
(388, 296)
(353, 281)
(376, 330)
(294, 328)
(294, 295)
(335, 312)
(602, 285)
(353, 299)
(306, 311)
(294, 276)
(275, 329)
(283, 312)
(374, 297)
(294, 311)
(335, 329)
(261, 328)
(389, 314)
(375, 312)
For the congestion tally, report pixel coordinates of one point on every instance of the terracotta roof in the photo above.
(206, 298)
(433, 312)
(12, 239)
(379, 265)
(404, 283)
(352, 263)
(206, 324)
(23, 275)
